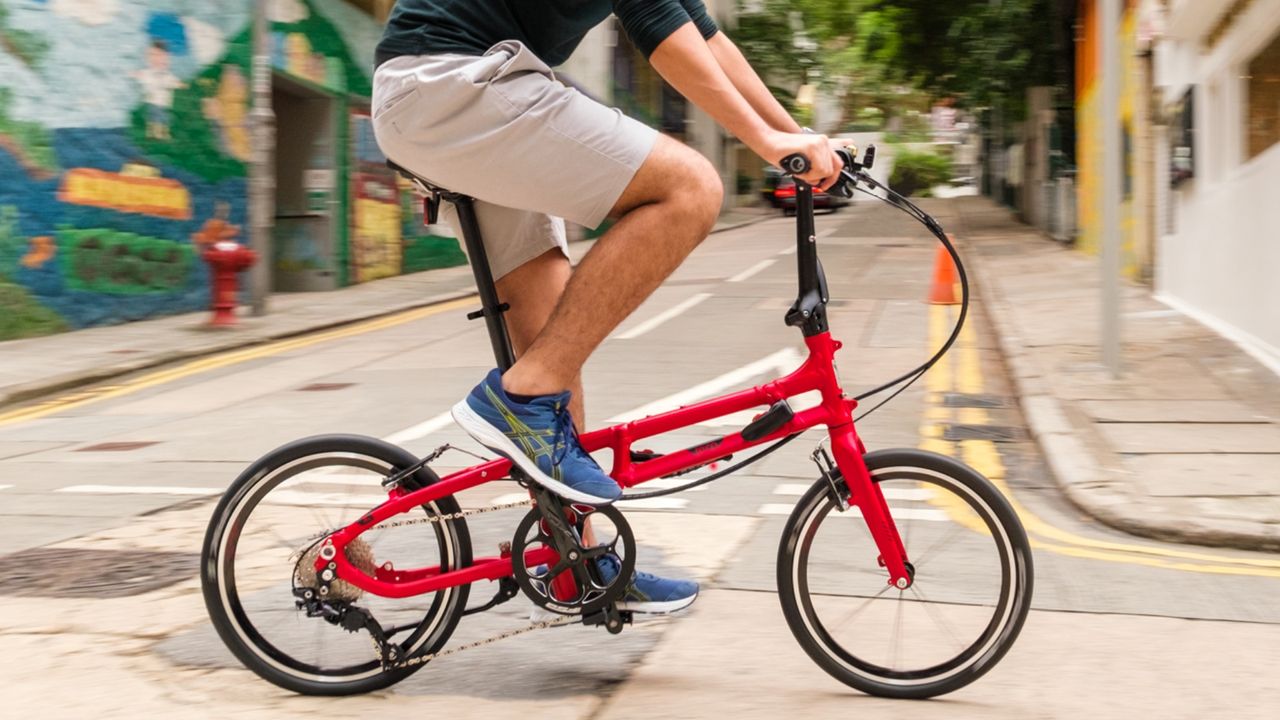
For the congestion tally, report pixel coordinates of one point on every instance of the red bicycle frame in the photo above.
(817, 373)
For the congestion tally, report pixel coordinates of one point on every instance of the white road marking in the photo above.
(139, 490)
(421, 430)
(898, 513)
(5, 487)
(335, 476)
(668, 483)
(662, 317)
(749, 272)
(910, 494)
(279, 497)
(658, 503)
(510, 498)
(784, 360)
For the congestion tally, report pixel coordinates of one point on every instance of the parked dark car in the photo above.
(784, 196)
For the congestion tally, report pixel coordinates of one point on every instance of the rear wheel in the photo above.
(971, 589)
(263, 536)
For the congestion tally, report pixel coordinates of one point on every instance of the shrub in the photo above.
(915, 171)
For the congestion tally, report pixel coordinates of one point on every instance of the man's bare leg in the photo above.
(669, 207)
(533, 290)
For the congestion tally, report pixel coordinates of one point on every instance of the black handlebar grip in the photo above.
(796, 164)
(869, 157)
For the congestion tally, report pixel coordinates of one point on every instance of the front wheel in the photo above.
(971, 589)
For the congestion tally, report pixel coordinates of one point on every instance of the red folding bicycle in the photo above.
(341, 564)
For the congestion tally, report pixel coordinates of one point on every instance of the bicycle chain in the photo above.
(420, 659)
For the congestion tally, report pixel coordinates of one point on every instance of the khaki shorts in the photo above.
(501, 128)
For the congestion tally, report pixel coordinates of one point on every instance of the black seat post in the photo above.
(490, 307)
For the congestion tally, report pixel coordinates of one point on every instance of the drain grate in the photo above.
(322, 387)
(84, 573)
(117, 446)
(955, 432)
(973, 400)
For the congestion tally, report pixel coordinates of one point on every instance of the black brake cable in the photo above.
(904, 381)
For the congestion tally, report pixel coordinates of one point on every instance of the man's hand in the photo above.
(824, 163)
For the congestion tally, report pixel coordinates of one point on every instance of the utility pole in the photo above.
(1111, 190)
(262, 180)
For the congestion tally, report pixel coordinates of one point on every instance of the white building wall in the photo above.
(1219, 254)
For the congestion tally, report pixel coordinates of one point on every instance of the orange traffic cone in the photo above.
(943, 291)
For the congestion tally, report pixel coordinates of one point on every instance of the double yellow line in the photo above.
(98, 393)
(961, 371)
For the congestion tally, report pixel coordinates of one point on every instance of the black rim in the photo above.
(226, 568)
(1001, 620)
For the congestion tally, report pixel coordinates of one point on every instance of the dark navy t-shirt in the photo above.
(550, 28)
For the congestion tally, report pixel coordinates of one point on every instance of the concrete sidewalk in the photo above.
(38, 366)
(1184, 447)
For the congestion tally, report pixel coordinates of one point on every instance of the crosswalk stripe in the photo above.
(658, 503)
(898, 513)
(751, 271)
(910, 494)
(662, 317)
(421, 430)
(139, 490)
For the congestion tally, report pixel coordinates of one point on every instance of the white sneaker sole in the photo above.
(494, 439)
(670, 607)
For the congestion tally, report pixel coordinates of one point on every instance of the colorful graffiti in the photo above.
(135, 189)
(124, 139)
(121, 263)
(375, 246)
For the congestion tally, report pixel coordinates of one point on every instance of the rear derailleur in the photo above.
(351, 618)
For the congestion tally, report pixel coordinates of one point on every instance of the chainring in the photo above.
(593, 592)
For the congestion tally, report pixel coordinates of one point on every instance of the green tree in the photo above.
(985, 52)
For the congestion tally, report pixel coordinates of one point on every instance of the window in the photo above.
(1262, 82)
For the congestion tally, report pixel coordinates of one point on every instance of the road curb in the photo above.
(1077, 471)
(70, 381)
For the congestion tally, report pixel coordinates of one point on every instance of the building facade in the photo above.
(124, 144)
(1217, 78)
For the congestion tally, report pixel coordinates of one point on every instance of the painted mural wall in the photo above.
(124, 142)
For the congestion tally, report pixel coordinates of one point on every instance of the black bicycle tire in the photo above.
(802, 622)
(211, 564)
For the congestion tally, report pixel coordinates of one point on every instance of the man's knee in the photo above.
(699, 193)
(684, 182)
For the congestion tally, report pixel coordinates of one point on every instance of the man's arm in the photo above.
(747, 80)
(687, 61)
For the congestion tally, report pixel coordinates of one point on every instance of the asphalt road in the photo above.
(1121, 627)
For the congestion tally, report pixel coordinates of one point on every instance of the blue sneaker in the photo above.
(537, 436)
(647, 592)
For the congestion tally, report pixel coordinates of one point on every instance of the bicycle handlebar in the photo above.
(798, 164)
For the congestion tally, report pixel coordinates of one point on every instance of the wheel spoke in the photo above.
(291, 651)
(942, 542)
(897, 632)
(938, 619)
(906, 651)
(858, 610)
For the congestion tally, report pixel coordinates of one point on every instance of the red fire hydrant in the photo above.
(226, 258)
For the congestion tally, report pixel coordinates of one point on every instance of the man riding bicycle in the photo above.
(464, 96)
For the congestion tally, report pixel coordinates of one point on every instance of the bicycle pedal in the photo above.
(613, 619)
